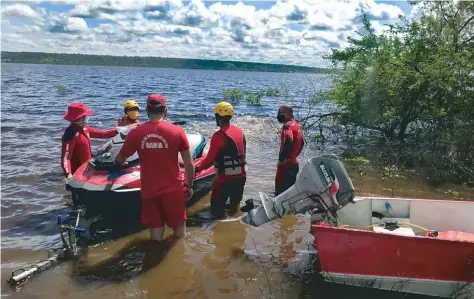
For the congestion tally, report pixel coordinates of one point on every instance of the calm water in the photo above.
(217, 259)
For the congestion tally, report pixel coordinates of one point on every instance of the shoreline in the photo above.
(154, 62)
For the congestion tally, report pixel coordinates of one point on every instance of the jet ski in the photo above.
(104, 192)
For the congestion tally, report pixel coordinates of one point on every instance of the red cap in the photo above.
(77, 110)
(155, 100)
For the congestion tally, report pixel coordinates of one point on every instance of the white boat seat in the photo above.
(406, 231)
(403, 229)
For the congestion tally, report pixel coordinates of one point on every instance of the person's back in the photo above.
(227, 152)
(160, 143)
(230, 162)
(164, 193)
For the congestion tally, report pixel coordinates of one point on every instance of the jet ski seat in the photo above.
(197, 143)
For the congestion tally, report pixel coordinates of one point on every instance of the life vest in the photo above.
(231, 160)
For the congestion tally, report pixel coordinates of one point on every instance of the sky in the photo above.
(294, 32)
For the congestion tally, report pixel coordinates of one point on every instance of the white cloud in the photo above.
(19, 40)
(195, 14)
(296, 31)
(65, 24)
(19, 11)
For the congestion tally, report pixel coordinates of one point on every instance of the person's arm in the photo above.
(101, 134)
(121, 121)
(285, 145)
(68, 143)
(188, 166)
(217, 143)
(185, 152)
(128, 148)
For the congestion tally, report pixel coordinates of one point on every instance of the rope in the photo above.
(417, 226)
(370, 226)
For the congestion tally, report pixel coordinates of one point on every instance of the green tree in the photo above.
(414, 83)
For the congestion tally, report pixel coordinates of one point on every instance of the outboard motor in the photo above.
(322, 188)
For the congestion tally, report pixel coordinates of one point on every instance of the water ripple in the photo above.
(33, 193)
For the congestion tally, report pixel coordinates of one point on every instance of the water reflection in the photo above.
(173, 277)
(227, 239)
(287, 251)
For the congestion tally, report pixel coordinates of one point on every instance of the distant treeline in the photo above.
(158, 62)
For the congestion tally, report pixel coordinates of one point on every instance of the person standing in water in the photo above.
(227, 152)
(158, 144)
(131, 110)
(291, 145)
(76, 146)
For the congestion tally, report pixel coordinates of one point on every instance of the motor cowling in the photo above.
(323, 186)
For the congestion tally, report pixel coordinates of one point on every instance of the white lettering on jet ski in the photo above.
(149, 144)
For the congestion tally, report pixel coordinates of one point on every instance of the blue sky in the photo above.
(285, 31)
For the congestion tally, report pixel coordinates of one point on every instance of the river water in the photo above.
(217, 259)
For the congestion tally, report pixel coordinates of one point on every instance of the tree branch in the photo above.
(468, 40)
(465, 24)
(318, 116)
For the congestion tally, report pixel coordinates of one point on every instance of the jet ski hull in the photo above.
(115, 204)
(111, 198)
(107, 190)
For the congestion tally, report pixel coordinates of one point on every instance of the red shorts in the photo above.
(168, 208)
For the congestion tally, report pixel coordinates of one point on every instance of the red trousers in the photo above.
(285, 177)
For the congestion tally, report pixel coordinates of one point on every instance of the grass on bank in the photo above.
(235, 95)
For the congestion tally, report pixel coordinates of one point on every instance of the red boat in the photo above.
(407, 245)
(112, 195)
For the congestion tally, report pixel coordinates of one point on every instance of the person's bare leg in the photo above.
(156, 234)
(180, 231)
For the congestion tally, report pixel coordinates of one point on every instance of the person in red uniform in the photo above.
(131, 110)
(291, 145)
(227, 152)
(158, 144)
(76, 147)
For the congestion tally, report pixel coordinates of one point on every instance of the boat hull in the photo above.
(413, 264)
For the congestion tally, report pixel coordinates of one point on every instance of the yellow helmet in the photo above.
(224, 109)
(129, 104)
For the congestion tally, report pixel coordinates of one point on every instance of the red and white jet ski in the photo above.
(105, 192)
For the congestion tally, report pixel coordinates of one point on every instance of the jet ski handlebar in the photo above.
(322, 188)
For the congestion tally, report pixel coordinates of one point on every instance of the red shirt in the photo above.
(291, 142)
(76, 146)
(158, 145)
(218, 144)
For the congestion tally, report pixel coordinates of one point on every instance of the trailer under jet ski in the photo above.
(418, 246)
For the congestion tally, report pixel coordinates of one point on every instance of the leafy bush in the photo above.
(233, 95)
(61, 89)
(253, 98)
